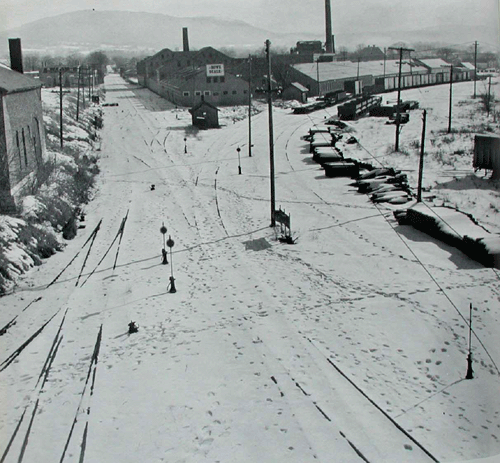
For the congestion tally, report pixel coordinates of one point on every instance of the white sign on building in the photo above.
(215, 70)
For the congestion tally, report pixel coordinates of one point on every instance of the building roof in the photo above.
(13, 81)
(469, 66)
(434, 63)
(299, 86)
(200, 104)
(337, 70)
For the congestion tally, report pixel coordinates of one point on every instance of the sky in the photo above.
(301, 15)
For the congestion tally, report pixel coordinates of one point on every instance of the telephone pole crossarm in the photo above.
(398, 108)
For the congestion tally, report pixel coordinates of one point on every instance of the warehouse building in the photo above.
(183, 77)
(22, 135)
(374, 76)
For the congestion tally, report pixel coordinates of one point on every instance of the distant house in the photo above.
(22, 135)
(295, 91)
(205, 116)
(369, 53)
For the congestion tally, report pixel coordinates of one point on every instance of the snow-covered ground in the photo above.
(348, 346)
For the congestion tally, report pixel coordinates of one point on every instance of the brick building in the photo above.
(22, 135)
(183, 77)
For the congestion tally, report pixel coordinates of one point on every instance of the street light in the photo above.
(170, 244)
(185, 145)
(239, 162)
(163, 231)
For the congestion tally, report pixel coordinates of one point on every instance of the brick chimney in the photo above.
(328, 21)
(16, 55)
(185, 39)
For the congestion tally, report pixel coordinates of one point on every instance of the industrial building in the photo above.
(183, 77)
(374, 76)
(22, 135)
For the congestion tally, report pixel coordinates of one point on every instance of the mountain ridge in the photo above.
(90, 29)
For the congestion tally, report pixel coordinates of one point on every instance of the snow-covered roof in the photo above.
(468, 66)
(13, 81)
(299, 87)
(348, 69)
(433, 63)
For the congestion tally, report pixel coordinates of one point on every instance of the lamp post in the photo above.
(163, 231)
(470, 371)
(239, 161)
(170, 244)
(185, 145)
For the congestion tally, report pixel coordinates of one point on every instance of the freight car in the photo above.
(355, 108)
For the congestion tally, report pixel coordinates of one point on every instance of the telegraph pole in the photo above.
(78, 94)
(421, 163)
(60, 107)
(489, 96)
(271, 141)
(451, 96)
(475, 67)
(250, 105)
(398, 108)
(470, 371)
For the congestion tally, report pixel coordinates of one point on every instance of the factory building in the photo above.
(184, 77)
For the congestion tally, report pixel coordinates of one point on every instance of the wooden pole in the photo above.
(451, 97)
(250, 105)
(489, 96)
(60, 108)
(475, 67)
(271, 141)
(421, 162)
(78, 94)
(398, 109)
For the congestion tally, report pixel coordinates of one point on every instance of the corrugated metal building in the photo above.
(321, 78)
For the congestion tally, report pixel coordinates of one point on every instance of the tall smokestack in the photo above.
(185, 39)
(16, 55)
(328, 17)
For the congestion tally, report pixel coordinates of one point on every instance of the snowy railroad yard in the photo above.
(348, 346)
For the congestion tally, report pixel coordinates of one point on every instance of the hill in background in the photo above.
(89, 30)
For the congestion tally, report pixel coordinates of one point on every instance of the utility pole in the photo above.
(317, 75)
(78, 94)
(475, 67)
(271, 141)
(357, 74)
(451, 96)
(385, 57)
(60, 107)
(421, 163)
(250, 105)
(470, 371)
(83, 89)
(398, 108)
(489, 96)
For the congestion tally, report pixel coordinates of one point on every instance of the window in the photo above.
(197, 93)
(206, 92)
(225, 92)
(209, 80)
(216, 79)
(222, 79)
(185, 93)
(24, 149)
(244, 92)
(234, 92)
(19, 150)
(215, 94)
